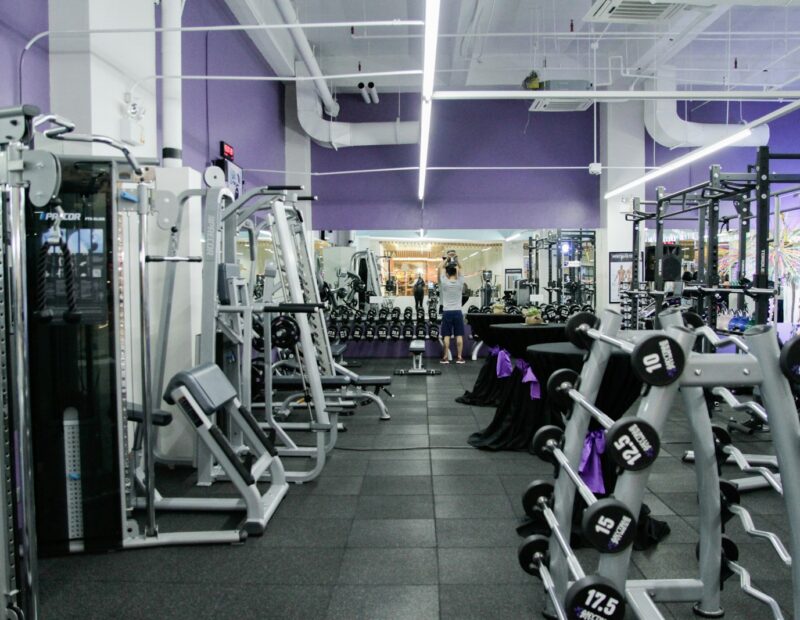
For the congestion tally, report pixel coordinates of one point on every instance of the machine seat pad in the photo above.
(207, 384)
(417, 346)
(160, 418)
(296, 382)
(338, 349)
(371, 380)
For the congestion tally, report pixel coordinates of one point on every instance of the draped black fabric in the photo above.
(619, 390)
(516, 338)
(516, 420)
(518, 416)
(488, 389)
(479, 324)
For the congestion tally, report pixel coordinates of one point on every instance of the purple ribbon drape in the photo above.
(591, 469)
(494, 350)
(529, 377)
(504, 367)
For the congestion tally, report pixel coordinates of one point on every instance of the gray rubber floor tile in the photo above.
(395, 507)
(401, 441)
(312, 506)
(467, 485)
(389, 467)
(396, 485)
(473, 506)
(389, 567)
(269, 601)
(481, 566)
(392, 533)
(384, 603)
(323, 532)
(329, 485)
(495, 602)
(489, 533)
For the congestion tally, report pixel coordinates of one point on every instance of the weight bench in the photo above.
(350, 386)
(204, 391)
(337, 352)
(417, 350)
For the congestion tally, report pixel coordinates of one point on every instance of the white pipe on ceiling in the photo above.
(307, 55)
(171, 92)
(620, 95)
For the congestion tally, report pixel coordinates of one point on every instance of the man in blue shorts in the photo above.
(451, 283)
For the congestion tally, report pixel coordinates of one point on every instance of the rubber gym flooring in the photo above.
(396, 532)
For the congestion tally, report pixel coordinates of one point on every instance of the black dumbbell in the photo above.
(421, 331)
(344, 331)
(395, 330)
(382, 331)
(408, 330)
(369, 331)
(395, 314)
(632, 443)
(607, 524)
(408, 314)
(357, 333)
(433, 330)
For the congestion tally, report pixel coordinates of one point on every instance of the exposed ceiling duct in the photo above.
(668, 129)
(335, 134)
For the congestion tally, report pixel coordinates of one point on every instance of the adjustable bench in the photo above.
(204, 391)
(417, 350)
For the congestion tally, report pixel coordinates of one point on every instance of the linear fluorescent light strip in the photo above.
(514, 236)
(428, 74)
(681, 162)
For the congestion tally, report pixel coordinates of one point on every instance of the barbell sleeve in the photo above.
(572, 561)
(605, 421)
(173, 259)
(580, 485)
(550, 588)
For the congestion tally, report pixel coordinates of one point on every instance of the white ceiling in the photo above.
(718, 45)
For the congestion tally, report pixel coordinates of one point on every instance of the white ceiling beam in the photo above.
(621, 95)
(276, 46)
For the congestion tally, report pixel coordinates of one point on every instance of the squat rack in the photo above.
(741, 189)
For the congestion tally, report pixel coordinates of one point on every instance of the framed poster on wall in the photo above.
(620, 268)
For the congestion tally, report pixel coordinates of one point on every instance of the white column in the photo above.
(89, 75)
(171, 111)
(622, 136)
(297, 152)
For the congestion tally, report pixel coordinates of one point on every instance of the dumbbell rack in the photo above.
(699, 371)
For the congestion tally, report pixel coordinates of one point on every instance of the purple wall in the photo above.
(464, 134)
(248, 115)
(19, 21)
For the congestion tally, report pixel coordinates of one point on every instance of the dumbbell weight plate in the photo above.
(395, 314)
(633, 444)
(531, 547)
(333, 331)
(433, 331)
(358, 332)
(790, 359)
(608, 525)
(421, 332)
(587, 308)
(408, 330)
(540, 439)
(594, 597)
(573, 329)
(473, 310)
(574, 309)
(563, 312)
(382, 331)
(535, 491)
(344, 331)
(559, 398)
(369, 331)
(408, 314)
(658, 360)
(395, 331)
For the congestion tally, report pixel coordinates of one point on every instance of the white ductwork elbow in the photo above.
(668, 129)
(334, 134)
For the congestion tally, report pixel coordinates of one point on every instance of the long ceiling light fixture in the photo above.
(704, 151)
(428, 74)
(685, 160)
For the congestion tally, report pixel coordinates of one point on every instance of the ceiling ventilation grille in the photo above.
(631, 11)
(560, 105)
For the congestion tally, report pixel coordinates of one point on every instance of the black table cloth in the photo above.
(516, 338)
(513, 336)
(480, 322)
(618, 392)
(518, 416)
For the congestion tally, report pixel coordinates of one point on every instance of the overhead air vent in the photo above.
(631, 11)
(562, 105)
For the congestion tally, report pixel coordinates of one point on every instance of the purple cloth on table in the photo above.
(529, 377)
(591, 469)
(504, 366)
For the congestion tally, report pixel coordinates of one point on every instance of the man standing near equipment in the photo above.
(451, 283)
